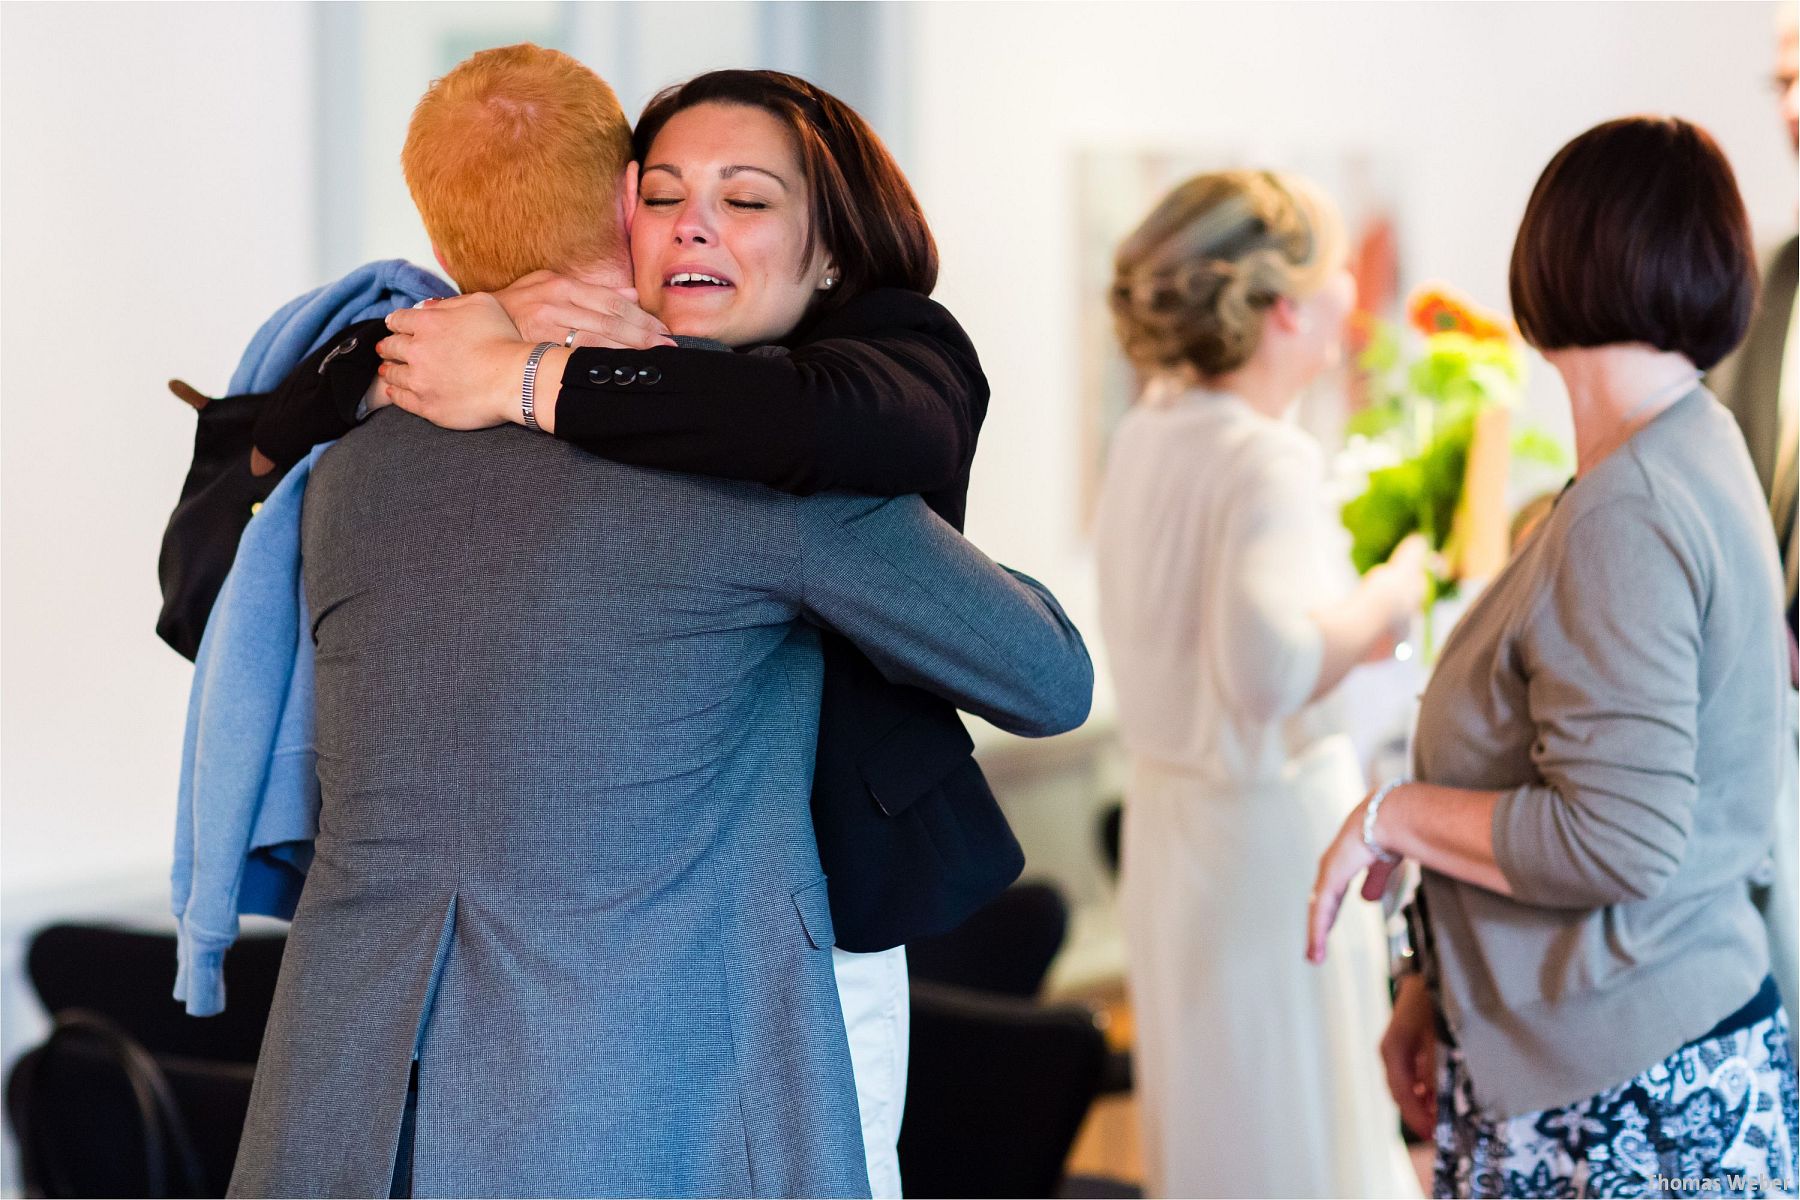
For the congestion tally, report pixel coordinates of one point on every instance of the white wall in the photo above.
(1470, 99)
(157, 161)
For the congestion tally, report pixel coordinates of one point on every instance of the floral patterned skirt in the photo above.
(1716, 1118)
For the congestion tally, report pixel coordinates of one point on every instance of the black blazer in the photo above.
(884, 396)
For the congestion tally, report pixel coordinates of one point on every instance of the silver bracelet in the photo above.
(528, 395)
(1368, 824)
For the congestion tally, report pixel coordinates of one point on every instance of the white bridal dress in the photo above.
(1257, 1073)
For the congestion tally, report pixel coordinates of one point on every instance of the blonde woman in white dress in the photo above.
(1230, 614)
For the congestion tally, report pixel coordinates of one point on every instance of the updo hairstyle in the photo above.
(1191, 284)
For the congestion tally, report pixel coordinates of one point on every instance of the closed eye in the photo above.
(747, 205)
(660, 201)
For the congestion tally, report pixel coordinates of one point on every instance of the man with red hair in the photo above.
(519, 160)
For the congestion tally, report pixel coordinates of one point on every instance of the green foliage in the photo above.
(1460, 371)
(1418, 495)
(1427, 409)
(1384, 514)
(1378, 418)
(1443, 465)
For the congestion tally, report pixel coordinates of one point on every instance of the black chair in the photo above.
(128, 976)
(1005, 948)
(95, 1114)
(997, 1090)
(129, 1096)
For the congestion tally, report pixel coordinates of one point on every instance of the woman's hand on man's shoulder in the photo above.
(548, 307)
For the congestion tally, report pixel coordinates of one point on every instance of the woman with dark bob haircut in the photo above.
(778, 240)
(1600, 747)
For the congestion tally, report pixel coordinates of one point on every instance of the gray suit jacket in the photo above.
(566, 715)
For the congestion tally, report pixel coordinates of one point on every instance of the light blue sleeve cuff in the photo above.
(199, 977)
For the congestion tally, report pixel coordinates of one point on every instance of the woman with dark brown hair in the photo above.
(1600, 746)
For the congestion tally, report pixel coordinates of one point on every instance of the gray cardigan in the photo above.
(1623, 681)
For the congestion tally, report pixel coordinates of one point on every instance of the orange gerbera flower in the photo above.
(1438, 309)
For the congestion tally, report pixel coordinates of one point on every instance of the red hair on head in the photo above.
(514, 160)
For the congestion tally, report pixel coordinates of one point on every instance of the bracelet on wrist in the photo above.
(528, 391)
(1371, 814)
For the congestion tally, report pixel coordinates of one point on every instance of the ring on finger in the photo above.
(569, 342)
